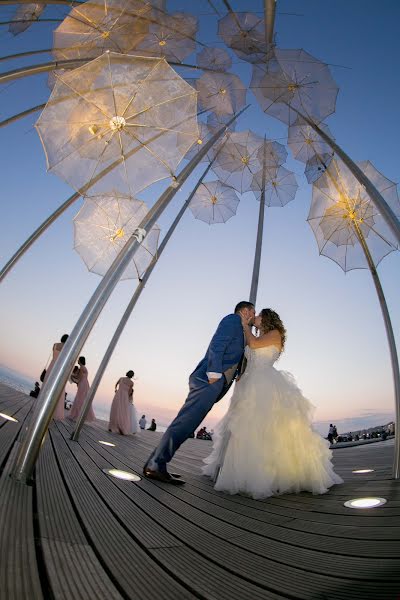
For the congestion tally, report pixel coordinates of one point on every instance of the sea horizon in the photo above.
(371, 419)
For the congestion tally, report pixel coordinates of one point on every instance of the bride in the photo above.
(265, 445)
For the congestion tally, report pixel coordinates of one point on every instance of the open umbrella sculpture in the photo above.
(102, 227)
(24, 16)
(94, 27)
(350, 230)
(170, 36)
(244, 33)
(205, 133)
(239, 160)
(221, 93)
(273, 185)
(214, 202)
(294, 83)
(131, 119)
(214, 58)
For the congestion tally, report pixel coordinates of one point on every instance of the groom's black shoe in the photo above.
(164, 477)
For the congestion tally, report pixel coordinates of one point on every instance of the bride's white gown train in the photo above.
(266, 438)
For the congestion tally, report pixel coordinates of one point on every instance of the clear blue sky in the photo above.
(336, 344)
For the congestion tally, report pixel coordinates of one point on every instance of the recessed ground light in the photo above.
(122, 474)
(365, 502)
(364, 471)
(8, 418)
(106, 443)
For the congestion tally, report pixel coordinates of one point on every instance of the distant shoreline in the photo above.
(25, 383)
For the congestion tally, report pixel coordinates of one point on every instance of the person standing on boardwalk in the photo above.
(142, 422)
(83, 390)
(208, 383)
(57, 347)
(121, 418)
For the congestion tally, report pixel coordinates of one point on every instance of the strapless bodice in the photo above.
(263, 357)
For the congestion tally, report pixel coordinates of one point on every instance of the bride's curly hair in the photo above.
(271, 320)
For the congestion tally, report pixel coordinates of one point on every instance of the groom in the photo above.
(208, 383)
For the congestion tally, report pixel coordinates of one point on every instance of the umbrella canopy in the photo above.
(221, 93)
(342, 215)
(171, 36)
(245, 34)
(316, 166)
(205, 133)
(294, 82)
(25, 13)
(102, 227)
(214, 202)
(239, 160)
(280, 186)
(214, 58)
(119, 122)
(91, 28)
(218, 121)
(272, 154)
(305, 143)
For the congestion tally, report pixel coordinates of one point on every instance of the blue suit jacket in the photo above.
(226, 347)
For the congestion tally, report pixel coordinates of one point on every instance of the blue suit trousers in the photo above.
(202, 396)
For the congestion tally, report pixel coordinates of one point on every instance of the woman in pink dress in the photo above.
(121, 417)
(57, 347)
(83, 389)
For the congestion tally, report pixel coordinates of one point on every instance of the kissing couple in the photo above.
(265, 445)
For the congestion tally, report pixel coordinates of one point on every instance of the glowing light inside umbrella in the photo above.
(117, 123)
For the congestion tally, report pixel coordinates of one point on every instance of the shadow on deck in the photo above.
(77, 533)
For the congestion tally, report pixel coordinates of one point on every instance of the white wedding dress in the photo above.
(265, 445)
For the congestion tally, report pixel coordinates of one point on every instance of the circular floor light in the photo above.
(8, 418)
(372, 502)
(106, 443)
(360, 471)
(126, 475)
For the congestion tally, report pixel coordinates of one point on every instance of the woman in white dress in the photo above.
(265, 445)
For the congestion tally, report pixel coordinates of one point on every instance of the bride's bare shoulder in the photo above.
(271, 338)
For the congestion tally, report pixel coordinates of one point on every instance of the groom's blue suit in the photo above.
(223, 356)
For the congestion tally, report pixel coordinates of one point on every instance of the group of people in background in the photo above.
(123, 417)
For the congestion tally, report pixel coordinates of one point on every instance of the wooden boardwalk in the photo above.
(77, 533)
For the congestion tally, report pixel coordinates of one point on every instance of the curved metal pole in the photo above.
(58, 377)
(377, 199)
(67, 2)
(42, 228)
(21, 115)
(37, 233)
(125, 317)
(389, 331)
(269, 20)
(31, 21)
(392, 347)
(42, 68)
(260, 229)
(71, 64)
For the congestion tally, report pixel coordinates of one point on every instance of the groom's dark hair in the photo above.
(243, 304)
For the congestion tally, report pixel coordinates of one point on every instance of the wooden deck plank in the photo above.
(94, 537)
(19, 576)
(230, 556)
(73, 570)
(122, 555)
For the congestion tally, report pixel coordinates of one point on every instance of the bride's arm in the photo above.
(250, 338)
(272, 338)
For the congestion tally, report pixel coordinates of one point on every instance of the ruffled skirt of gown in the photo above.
(267, 440)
